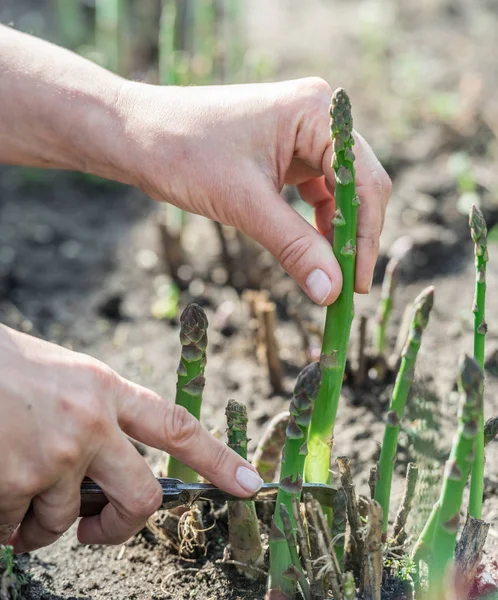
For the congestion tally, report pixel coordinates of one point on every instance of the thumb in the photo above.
(162, 424)
(303, 252)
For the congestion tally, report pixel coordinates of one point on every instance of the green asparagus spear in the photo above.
(340, 314)
(243, 526)
(110, 23)
(193, 338)
(295, 571)
(267, 456)
(479, 233)
(421, 311)
(470, 382)
(291, 475)
(386, 304)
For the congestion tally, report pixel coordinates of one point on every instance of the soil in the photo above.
(78, 260)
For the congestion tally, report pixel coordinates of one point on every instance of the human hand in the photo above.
(64, 415)
(225, 152)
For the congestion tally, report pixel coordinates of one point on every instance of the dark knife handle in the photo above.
(93, 498)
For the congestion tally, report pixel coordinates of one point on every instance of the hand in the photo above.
(226, 151)
(64, 415)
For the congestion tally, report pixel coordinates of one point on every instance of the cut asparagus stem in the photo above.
(372, 570)
(479, 233)
(372, 480)
(304, 545)
(243, 526)
(295, 571)
(354, 556)
(291, 475)
(268, 323)
(399, 534)
(267, 456)
(470, 382)
(490, 430)
(421, 311)
(340, 313)
(190, 384)
(386, 303)
(470, 549)
(339, 521)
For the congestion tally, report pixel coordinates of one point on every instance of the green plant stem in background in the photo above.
(490, 430)
(190, 384)
(470, 383)
(422, 548)
(340, 313)
(479, 233)
(421, 310)
(267, 456)
(110, 23)
(386, 304)
(72, 31)
(291, 476)
(243, 526)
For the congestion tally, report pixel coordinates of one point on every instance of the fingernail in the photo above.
(319, 286)
(248, 479)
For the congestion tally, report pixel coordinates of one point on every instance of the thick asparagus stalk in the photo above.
(190, 384)
(295, 571)
(421, 311)
(291, 475)
(243, 526)
(340, 314)
(267, 456)
(386, 304)
(479, 234)
(470, 382)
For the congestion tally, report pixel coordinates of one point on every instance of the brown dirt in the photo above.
(422, 83)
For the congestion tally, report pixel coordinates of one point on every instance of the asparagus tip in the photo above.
(193, 324)
(470, 377)
(308, 381)
(423, 305)
(477, 225)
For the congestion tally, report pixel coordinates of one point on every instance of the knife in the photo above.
(176, 493)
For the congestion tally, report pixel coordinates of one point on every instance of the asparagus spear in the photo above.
(386, 304)
(291, 475)
(470, 382)
(340, 314)
(243, 526)
(421, 310)
(193, 338)
(266, 459)
(110, 22)
(479, 233)
(490, 430)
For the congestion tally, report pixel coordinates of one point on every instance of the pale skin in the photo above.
(224, 152)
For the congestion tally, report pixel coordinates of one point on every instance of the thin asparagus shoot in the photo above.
(490, 430)
(291, 475)
(421, 310)
(110, 22)
(479, 234)
(295, 571)
(243, 526)
(386, 305)
(470, 383)
(340, 313)
(191, 381)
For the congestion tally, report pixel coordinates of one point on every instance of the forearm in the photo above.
(59, 110)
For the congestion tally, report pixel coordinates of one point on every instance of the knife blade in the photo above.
(177, 493)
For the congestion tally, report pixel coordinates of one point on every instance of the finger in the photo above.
(10, 517)
(51, 514)
(317, 192)
(134, 494)
(301, 250)
(162, 424)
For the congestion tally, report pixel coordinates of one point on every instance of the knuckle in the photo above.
(181, 428)
(220, 459)
(65, 452)
(145, 503)
(317, 84)
(293, 253)
(58, 528)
